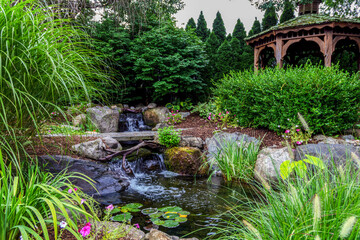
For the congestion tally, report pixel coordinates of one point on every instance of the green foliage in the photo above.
(256, 28)
(219, 27)
(236, 159)
(168, 63)
(201, 30)
(174, 117)
(205, 109)
(270, 18)
(299, 207)
(288, 12)
(299, 167)
(224, 59)
(211, 46)
(296, 134)
(169, 137)
(327, 98)
(190, 24)
(239, 32)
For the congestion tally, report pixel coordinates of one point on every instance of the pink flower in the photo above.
(110, 207)
(216, 128)
(174, 114)
(85, 230)
(227, 112)
(137, 225)
(298, 130)
(219, 114)
(209, 118)
(49, 131)
(168, 117)
(70, 190)
(234, 115)
(172, 111)
(82, 201)
(287, 131)
(298, 143)
(75, 189)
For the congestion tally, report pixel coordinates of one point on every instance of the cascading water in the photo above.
(132, 122)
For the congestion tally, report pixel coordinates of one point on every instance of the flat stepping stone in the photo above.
(129, 136)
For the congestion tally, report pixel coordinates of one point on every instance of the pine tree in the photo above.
(236, 48)
(224, 59)
(190, 24)
(288, 12)
(201, 30)
(219, 27)
(256, 28)
(239, 32)
(229, 37)
(270, 18)
(211, 46)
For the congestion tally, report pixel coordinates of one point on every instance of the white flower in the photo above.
(21, 238)
(63, 224)
(278, 126)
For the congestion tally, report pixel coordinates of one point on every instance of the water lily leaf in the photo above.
(159, 222)
(115, 210)
(184, 213)
(181, 219)
(170, 224)
(170, 209)
(156, 215)
(133, 205)
(127, 209)
(124, 217)
(148, 211)
(170, 215)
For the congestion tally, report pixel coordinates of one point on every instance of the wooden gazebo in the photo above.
(307, 34)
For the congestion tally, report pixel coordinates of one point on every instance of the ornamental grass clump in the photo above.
(323, 205)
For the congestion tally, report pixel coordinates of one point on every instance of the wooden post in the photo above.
(256, 59)
(328, 42)
(278, 52)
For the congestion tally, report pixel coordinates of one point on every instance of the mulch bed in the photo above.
(66, 235)
(199, 127)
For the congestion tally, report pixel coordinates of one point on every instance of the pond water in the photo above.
(204, 199)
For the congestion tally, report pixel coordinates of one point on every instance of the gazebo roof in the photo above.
(305, 20)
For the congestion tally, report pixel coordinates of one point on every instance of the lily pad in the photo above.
(124, 217)
(156, 215)
(133, 205)
(126, 209)
(115, 210)
(170, 215)
(148, 211)
(170, 224)
(180, 219)
(184, 213)
(170, 209)
(159, 222)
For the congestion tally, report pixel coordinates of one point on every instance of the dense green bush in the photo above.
(328, 98)
(169, 137)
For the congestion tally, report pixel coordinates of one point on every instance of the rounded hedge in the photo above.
(328, 98)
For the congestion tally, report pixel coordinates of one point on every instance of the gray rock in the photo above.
(105, 180)
(329, 153)
(353, 131)
(104, 118)
(268, 163)
(319, 138)
(152, 105)
(79, 120)
(112, 143)
(116, 230)
(92, 149)
(157, 235)
(184, 114)
(126, 106)
(155, 115)
(190, 141)
(328, 140)
(348, 137)
(160, 125)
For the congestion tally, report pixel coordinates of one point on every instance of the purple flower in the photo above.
(298, 143)
(137, 225)
(110, 207)
(287, 131)
(70, 190)
(82, 201)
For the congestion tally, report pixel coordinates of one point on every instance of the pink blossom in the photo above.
(75, 189)
(219, 114)
(137, 225)
(298, 130)
(209, 118)
(49, 131)
(227, 112)
(287, 131)
(298, 143)
(110, 207)
(82, 201)
(172, 111)
(168, 117)
(174, 114)
(234, 115)
(85, 230)
(70, 190)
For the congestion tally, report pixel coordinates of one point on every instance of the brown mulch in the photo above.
(66, 235)
(199, 127)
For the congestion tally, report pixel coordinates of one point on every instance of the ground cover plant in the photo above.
(314, 203)
(329, 99)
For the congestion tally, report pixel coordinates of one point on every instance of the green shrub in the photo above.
(323, 205)
(236, 160)
(169, 137)
(328, 98)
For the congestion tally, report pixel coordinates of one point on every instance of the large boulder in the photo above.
(95, 149)
(268, 163)
(104, 118)
(116, 230)
(105, 180)
(185, 161)
(190, 141)
(79, 120)
(155, 115)
(155, 234)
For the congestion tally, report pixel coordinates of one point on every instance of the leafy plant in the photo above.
(297, 135)
(173, 117)
(169, 137)
(236, 159)
(299, 167)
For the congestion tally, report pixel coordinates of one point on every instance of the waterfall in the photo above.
(132, 122)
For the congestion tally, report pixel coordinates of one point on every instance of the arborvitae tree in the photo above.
(219, 27)
(256, 28)
(201, 30)
(270, 18)
(211, 46)
(236, 54)
(190, 24)
(229, 37)
(239, 32)
(288, 12)
(224, 59)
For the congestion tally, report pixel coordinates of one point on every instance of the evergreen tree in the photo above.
(256, 28)
(236, 48)
(239, 32)
(229, 37)
(211, 46)
(270, 18)
(190, 24)
(224, 59)
(219, 27)
(288, 12)
(201, 30)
